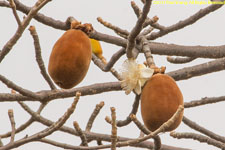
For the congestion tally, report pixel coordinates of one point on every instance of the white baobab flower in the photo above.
(134, 76)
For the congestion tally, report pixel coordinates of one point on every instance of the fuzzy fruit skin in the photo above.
(160, 99)
(70, 59)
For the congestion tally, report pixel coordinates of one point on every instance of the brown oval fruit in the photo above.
(70, 59)
(160, 99)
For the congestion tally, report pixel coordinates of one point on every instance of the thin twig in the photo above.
(9, 45)
(13, 125)
(13, 6)
(198, 70)
(121, 123)
(181, 24)
(157, 140)
(102, 66)
(94, 115)
(19, 89)
(180, 60)
(114, 129)
(203, 130)
(80, 133)
(198, 137)
(204, 101)
(39, 59)
(26, 124)
(147, 52)
(162, 128)
(93, 136)
(115, 57)
(137, 29)
(55, 126)
(181, 74)
(156, 48)
(148, 21)
(121, 32)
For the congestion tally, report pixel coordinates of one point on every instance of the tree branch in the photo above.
(201, 129)
(121, 123)
(48, 95)
(39, 59)
(181, 24)
(55, 126)
(203, 101)
(157, 140)
(198, 70)
(8, 46)
(26, 124)
(137, 28)
(199, 138)
(180, 60)
(13, 125)
(93, 116)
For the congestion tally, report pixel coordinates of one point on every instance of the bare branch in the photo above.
(201, 129)
(102, 66)
(67, 146)
(204, 101)
(180, 60)
(39, 57)
(91, 135)
(198, 70)
(190, 20)
(19, 89)
(199, 138)
(114, 129)
(58, 144)
(156, 48)
(13, 125)
(190, 51)
(80, 133)
(157, 140)
(8, 46)
(134, 110)
(13, 6)
(94, 115)
(108, 38)
(48, 95)
(181, 74)
(115, 57)
(26, 124)
(121, 32)
(148, 21)
(162, 128)
(55, 126)
(147, 52)
(137, 29)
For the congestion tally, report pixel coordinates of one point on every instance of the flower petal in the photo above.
(137, 89)
(146, 73)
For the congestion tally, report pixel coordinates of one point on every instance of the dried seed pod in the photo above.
(160, 99)
(70, 58)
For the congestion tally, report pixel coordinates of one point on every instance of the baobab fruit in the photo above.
(70, 58)
(160, 100)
